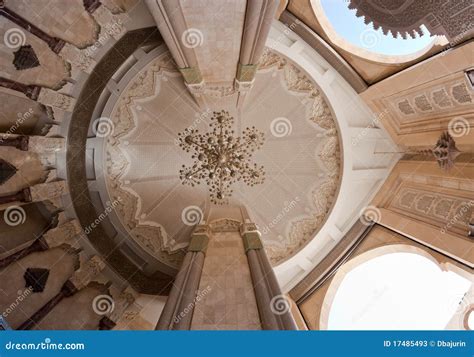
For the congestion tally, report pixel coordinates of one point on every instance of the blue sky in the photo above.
(354, 30)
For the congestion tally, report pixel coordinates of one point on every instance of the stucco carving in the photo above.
(450, 94)
(151, 236)
(225, 225)
(441, 17)
(145, 123)
(447, 211)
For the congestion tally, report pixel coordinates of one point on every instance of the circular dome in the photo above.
(300, 155)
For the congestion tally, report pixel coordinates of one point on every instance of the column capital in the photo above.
(199, 239)
(252, 241)
(248, 227)
(191, 75)
(246, 72)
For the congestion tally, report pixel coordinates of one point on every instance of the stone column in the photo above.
(80, 279)
(172, 25)
(274, 309)
(258, 19)
(67, 51)
(178, 311)
(42, 95)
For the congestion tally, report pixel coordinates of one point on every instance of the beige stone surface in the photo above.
(430, 205)
(418, 104)
(67, 20)
(52, 70)
(30, 171)
(219, 53)
(21, 115)
(65, 317)
(12, 283)
(227, 297)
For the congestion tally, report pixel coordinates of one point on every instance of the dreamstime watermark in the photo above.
(199, 118)
(45, 345)
(103, 304)
(280, 304)
(375, 123)
(21, 117)
(458, 216)
(465, 28)
(192, 215)
(201, 294)
(103, 38)
(14, 38)
(103, 127)
(377, 294)
(458, 127)
(456, 303)
(369, 38)
(288, 30)
(281, 127)
(108, 209)
(370, 214)
(22, 295)
(192, 38)
(14, 216)
(285, 210)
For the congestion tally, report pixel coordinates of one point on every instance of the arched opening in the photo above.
(402, 289)
(353, 30)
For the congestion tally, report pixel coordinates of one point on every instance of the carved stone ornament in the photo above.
(160, 236)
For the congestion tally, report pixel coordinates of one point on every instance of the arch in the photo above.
(345, 45)
(339, 277)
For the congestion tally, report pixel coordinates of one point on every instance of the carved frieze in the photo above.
(150, 233)
(442, 209)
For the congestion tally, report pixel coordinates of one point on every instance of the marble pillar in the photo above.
(178, 311)
(274, 309)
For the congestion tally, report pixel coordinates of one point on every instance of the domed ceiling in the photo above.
(300, 156)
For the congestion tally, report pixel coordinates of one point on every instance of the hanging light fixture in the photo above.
(221, 159)
(445, 151)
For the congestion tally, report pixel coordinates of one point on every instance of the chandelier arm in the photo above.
(197, 171)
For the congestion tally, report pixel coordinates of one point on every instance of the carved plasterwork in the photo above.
(143, 159)
(301, 230)
(438, 97)
(225, 225)
(151, 236)
(405, 17)
(444, 209)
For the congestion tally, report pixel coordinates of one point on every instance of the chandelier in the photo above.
(221, 159)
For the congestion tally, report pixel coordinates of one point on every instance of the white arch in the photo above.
(343, 273)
